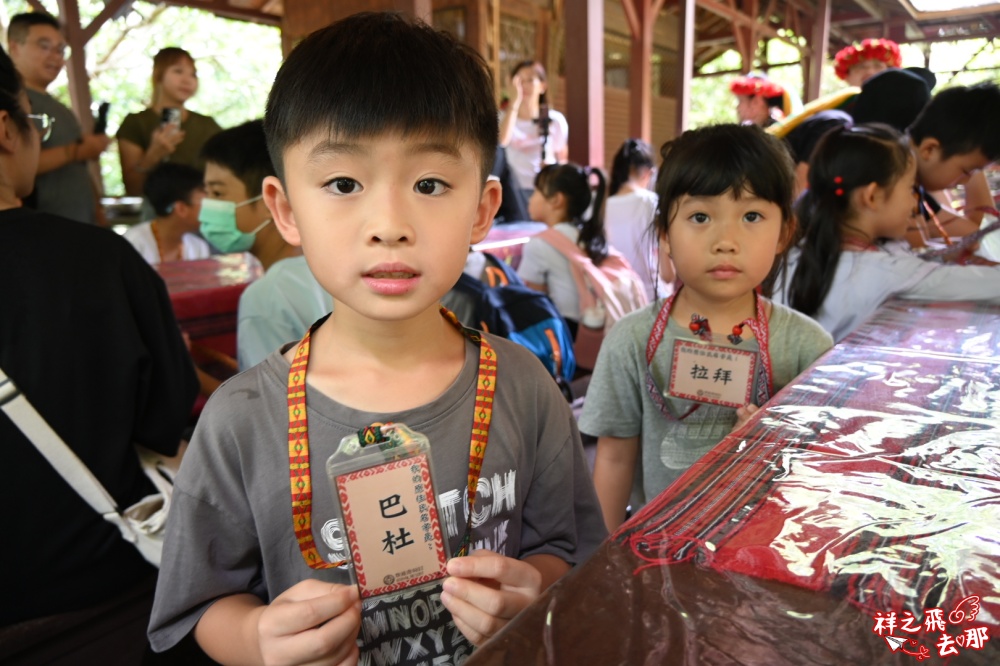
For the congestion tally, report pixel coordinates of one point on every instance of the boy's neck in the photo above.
(270, 248)
(168, 231)
(381, 366)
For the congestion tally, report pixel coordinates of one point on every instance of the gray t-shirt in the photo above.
(230, 528)
(68, 190)
(618, 404)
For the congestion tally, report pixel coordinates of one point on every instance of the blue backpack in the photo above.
(508, 308)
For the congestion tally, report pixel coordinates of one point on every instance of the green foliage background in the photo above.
(236, 61)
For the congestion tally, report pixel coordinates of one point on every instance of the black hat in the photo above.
(894, 97)
(807, 134)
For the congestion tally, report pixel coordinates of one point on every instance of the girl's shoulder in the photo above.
(788, 324)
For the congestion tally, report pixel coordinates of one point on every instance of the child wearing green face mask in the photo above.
(280, 306)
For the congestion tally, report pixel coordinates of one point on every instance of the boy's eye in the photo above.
(344, 186)
(430, 186)
(752, 216)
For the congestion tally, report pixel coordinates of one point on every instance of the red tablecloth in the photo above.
(206, 293)
(854, 520)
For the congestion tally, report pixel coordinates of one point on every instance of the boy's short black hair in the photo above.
(242, 150)
(963, 119)
(169, 183)
(20, 25)
(373, 73)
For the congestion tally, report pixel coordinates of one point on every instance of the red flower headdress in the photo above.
(885, 50)
(755, 85)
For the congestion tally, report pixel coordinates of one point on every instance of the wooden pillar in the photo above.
(819, 41)
(76, 66)
(685, 62)
(585, 80)
(641, 16)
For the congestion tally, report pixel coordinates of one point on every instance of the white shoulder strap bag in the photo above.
(140, 524)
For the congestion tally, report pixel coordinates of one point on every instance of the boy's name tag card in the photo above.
(392, 524)
(710, 374)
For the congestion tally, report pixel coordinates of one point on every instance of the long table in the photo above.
(854, 520)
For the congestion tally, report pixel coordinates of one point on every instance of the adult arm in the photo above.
(614, 469)
(88, 148)
(509, 119)
(137, 163)
(167, 382)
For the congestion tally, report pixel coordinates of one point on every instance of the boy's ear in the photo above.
(927, 148)
(489, 204)
(281, 210)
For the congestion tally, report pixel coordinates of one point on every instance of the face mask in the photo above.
(218, 225)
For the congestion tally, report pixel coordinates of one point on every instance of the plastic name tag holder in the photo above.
(383, 484)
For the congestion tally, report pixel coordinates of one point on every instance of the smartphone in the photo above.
(101, 122)
(171, 117)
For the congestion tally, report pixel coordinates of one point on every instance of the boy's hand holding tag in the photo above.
(486, 590)
(311, 622)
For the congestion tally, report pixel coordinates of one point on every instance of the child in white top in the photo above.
(175, 192)
(725, 215)
(562, 198)
(861, 193)
(628, 220)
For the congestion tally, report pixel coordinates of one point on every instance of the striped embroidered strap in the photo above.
(298, 440)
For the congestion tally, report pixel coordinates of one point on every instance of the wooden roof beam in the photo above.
(225, 10)
(871, 9)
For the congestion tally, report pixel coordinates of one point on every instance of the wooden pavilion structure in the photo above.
(665, 44)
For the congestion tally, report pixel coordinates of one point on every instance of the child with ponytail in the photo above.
(673, 378)
(566, 199)
(861, 194)
(628, 221)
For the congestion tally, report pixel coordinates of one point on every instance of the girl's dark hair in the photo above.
(10, 91)
(634, 154)
(844, 159)
(738, 159)
(573, 182)
(531, 64)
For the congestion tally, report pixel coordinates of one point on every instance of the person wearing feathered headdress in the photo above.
(762, 101)
(857, 63)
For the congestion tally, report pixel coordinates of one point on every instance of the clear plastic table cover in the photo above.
(854, 520)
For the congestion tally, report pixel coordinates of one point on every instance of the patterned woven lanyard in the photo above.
(298, 440)
(757, 324)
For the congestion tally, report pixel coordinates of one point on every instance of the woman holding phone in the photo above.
(165, 131)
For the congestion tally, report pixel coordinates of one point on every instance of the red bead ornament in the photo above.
(699, 326)
(736, 336)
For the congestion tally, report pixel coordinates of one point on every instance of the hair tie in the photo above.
(839, 191)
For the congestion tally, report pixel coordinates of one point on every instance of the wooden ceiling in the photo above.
(716, 20)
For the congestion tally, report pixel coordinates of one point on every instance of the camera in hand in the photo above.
(171, 117)
(101, 122)
(543, 121)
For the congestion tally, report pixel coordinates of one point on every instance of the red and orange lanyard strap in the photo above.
(757, 324)
(300, 477)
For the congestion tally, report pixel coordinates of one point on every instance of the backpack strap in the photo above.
(576, 257)
(498, 273)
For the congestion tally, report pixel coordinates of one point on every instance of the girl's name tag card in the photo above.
(714, 375)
